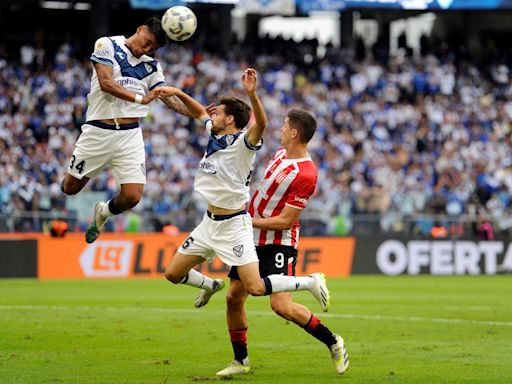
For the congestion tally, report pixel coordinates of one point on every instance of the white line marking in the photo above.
(260, 313)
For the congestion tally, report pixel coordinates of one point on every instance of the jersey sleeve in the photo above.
(208, 124)
(103, 52)
(250, 146)
(157, 79)
(301, 189)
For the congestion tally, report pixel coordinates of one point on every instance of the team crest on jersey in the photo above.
(281, 176)
(143, 168)
(238, 250)
(229, 139)
(149, 68)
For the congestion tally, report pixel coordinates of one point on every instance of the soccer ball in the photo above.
(179, 23)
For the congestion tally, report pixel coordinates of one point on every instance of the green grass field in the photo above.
(397, 330)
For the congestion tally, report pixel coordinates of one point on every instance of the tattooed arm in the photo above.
(174, 103)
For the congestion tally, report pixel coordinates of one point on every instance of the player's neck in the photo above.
(296, 152)
(228, 131)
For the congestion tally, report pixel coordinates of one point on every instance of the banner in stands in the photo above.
(147, 255)
(397, 256)
(307, 6)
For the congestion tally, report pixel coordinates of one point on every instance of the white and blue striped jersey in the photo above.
(138, 75)
(225, 169)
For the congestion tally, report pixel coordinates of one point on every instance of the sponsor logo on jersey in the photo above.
(107, 259)
(238, 250)
(301, 200)
(126, 81)
(207, 167)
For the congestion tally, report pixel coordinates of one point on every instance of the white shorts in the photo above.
(231, 240)
(121, 150)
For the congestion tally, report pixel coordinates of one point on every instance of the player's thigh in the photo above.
(277, 260)
(129, 158)
(91, 154)
(72, 185)
(180, 265)
(199, 242)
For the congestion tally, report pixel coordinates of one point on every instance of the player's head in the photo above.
(148, 38)
(299, 126)
(230, 112)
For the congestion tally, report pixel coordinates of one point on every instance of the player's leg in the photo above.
(128, 197)
(256, 286)
(283, 305)
(237, 248)
(71, 185)
(180, 271)
(194, 250)
(237, 326)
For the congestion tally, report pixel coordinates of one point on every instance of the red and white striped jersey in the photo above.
(287, 182)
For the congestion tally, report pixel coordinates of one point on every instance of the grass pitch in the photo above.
(397, 329)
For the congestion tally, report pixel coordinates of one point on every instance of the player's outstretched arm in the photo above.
(195, 108)
(255, 131)
(112, 87)
(174, 103)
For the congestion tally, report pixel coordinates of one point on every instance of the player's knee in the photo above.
(234, 301)
(255, 289)
(69, 188)
(132, 199)
(172, 276)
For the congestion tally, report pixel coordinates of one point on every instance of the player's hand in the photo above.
(148, 98)
(249, 80)
(210, 109)
(166, 91)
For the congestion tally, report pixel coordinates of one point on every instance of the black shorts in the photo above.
(274, 260)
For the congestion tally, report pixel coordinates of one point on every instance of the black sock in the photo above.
(112, 208)
(316, 329)
(240, 350)
(238, 339)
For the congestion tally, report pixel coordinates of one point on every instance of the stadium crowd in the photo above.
(424, 135)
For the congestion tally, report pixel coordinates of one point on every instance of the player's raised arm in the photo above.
(255, 131)
(112, 87)
(195, 108)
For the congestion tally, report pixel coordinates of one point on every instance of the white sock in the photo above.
(105, 211)
(198, 280)
(290, 283)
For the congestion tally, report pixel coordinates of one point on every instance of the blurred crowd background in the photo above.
(405, 143)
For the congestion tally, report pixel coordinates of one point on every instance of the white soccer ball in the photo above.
(179, 23)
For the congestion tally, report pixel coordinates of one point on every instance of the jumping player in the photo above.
(122, 86)
(223, 180)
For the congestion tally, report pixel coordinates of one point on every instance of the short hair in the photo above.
(154, 26)
(304, 122)
(239, 109)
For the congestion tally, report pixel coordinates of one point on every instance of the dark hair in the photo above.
(304, 122)
(154, 25)
(238, 109)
